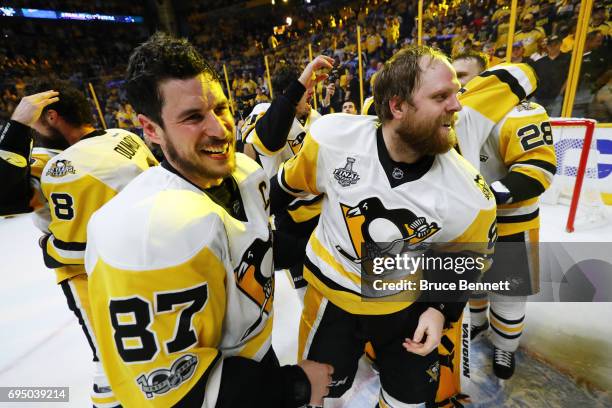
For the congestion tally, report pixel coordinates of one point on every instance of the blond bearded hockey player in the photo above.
(180, 262)
(67, 186)
(518, 160)
(507, 85)
(392, 174)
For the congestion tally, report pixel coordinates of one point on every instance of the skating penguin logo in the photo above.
(255, 279)
(296, 143)
(370, 223)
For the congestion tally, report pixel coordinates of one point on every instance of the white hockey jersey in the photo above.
(176, 282)
(370, 198)
(485, 100)
(270, 160)
(519, 152)
(80, 180)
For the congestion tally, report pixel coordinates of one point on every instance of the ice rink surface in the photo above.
(42, 344)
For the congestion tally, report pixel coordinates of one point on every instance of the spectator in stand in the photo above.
(598, 21)
(501, 36)
(373, 43)
(541, 52)
(333, 97)
(567, 44)
(248, 85)
(601, 107)
(352, 93)
(529, 35)
(349, 107)
(594, 66)
(260, 97)
(545, 16)
(518, 53)
(552, 70)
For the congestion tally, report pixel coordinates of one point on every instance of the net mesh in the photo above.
(569, 141)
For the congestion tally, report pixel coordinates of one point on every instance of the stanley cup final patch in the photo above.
(346, 175)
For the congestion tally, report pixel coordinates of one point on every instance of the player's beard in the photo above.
(193, 164)
(425, 137)
(52, 139)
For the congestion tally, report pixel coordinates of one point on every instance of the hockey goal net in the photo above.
(576, 183)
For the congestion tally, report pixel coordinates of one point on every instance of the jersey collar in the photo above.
(227, 194)
(399, 173)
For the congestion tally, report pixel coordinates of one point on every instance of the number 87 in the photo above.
(135, 341)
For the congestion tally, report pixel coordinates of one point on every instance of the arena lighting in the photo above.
(289, 20)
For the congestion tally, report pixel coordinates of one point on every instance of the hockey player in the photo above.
(384, 183)
(507, 85)
(66, 187)
(518, 161)
(469, 65)
(276, 131)
(180, 263)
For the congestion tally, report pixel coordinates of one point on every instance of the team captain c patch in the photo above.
(163, 380)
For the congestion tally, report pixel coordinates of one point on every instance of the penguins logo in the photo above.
(482, 185)
(60, 168)
(369, 223)
(296, 144)
(255, 280)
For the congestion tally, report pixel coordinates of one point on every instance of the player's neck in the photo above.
(194, 178)
(74, 134)
(398, 150)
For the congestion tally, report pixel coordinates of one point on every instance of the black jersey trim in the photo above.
(507, 78)
(409, 171)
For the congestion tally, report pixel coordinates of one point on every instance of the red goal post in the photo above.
(589, 126)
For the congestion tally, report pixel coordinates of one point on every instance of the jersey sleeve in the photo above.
(298, 175)
(507, 85)
(71, 205)
(15, 150)
(268, 130)
(526, 146)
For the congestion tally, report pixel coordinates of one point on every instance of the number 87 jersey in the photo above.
(177, 283)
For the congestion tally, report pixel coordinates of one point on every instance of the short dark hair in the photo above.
(73, 106)
(283, 77)
(400, 76)
(161, 57)
(480, 57)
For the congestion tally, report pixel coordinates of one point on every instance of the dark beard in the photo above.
(186, 167)
(55, 141)
(425, 138)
